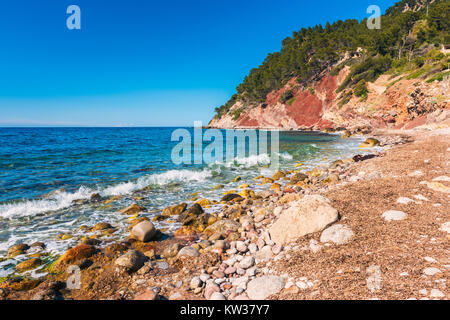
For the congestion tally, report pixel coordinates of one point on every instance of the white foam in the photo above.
(61, 200)
(56, 201)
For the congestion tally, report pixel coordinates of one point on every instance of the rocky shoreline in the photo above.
(299, 239)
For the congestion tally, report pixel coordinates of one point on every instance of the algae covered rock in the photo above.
(29, 264)
(174, 210)
(133, 209)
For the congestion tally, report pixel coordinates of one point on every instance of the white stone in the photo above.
(423, 292)
(314, 246)
(445, 227)
(404, 200)
(435, 293)
(421, 197)
(430, 259)
(241, 247)
(247, 262)
(196, 282)
(311, 214)
(394, 215)
(263, 287)
(217, 296)
(188, 251)
(373, 280)
(431, 271)
(442, 178)
(338, 234)
(416, 173)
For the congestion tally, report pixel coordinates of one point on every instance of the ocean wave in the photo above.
(57, 201)
(62, 199)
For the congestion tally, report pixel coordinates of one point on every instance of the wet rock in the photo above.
(29, 264)
(91, 241)
(338, 234)
(40, 245)
(79, 252)
(133, 209)
(115, 249)
(311, 214)
(17, 249)
(95, 197)
(174, 210)
(369, 143)
(237, 179)
(101, 226)
(231, 197)
(278, 175)
(359, 158)
(299, 177)
(195, 209)
(185, 233)
(131, 261)
(263, 287)
(144, 231)
(188, 252)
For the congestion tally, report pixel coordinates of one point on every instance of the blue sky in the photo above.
(142, 62)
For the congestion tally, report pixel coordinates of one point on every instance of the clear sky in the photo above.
(142, 62)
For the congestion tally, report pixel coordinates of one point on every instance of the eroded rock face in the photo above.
(311, 214)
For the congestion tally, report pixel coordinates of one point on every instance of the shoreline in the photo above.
(164, 268)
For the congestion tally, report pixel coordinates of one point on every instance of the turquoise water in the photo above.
(44, 170)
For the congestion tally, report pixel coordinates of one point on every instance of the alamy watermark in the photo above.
(219, 149)
(374, 21)
(73, 282)
(73, 22)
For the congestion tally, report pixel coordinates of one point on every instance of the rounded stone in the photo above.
(338, 234)
(394, 215)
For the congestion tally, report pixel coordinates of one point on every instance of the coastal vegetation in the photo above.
(408, 39)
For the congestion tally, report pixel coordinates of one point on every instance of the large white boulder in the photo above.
(312, 213)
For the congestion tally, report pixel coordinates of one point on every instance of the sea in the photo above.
(45, 173)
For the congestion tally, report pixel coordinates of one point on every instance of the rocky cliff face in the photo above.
(392, 102)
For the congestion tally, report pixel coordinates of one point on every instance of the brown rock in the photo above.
(133, 209)
(29, 264)
(81, 251)
(174, 210)
(147, 295)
